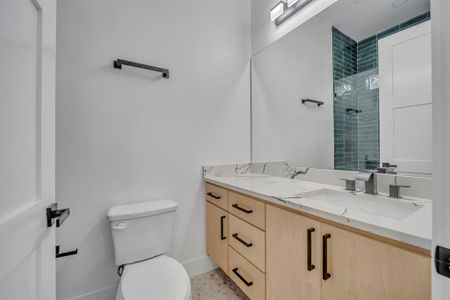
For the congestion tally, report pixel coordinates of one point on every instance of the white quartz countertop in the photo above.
(414, 229)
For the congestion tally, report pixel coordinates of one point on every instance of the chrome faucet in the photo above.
(370, 181)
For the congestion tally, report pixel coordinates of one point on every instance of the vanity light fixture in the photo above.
(277, 10)
(291, 2)
(283, 11)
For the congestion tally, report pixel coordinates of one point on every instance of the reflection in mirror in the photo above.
(370, 63)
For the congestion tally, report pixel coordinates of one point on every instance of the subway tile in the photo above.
(388, 32)
(414, 21)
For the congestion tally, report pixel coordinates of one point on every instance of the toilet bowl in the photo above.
(159, 278)
(141, 234)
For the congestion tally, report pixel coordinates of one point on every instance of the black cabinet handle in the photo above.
(247, 211)
(247, 283)
(222, 237)
(236, 236)
(213, 195)
(325, 274)
(308, 250)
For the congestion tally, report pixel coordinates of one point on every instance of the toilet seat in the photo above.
(161, 277)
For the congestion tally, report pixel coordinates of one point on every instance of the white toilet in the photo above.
(141, 234)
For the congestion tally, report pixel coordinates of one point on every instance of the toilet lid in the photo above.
(158, 278)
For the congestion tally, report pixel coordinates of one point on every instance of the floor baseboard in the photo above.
(107, 293)
(199, 265)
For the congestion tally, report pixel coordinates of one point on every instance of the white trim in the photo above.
(107, 292)
(440, 10)
(199, 266)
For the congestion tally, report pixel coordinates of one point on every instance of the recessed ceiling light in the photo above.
(399, 3)
(277, 10)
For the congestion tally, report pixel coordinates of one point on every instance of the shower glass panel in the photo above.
(356, 121)
(356, 95)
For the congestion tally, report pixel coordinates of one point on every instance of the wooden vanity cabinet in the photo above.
(294, 265)
(363, 268)
(235, 238)
(217, 235)
(272, 252)
(348, 266)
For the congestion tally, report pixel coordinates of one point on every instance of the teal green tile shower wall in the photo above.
(356, 135)
(345, 125)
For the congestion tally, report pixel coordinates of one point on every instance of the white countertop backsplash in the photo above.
(271, 182)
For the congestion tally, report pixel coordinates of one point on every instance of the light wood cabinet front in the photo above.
(287, 271)
(217, 235)
(249, 241)
(217, 195)
(365, 269)
(248, 209)
(251, 280)
(277, 253)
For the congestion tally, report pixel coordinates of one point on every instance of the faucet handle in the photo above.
(350, 184)
(394, 190)
(387, 168)
(388, 165)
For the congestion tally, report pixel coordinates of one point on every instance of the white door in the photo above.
(405, 100)
(27, 148)
(440, 10)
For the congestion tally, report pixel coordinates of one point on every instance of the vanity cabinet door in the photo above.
(291, 272)
(361, 268)
(217, 235)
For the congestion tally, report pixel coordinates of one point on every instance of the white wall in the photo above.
(440, 23)
(297, 66)
(265, 32)
(128, 135)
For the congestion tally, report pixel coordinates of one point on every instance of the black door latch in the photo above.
(442, 261)
(62, 254)
(55, 215)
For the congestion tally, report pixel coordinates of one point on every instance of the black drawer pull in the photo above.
(236, 236)
(222, 236)
(247, 211)
(247, 283)
(325, 274)
(309, 256)
(213, 195)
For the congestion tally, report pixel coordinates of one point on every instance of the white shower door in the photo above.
(27, 148)
(405, 100)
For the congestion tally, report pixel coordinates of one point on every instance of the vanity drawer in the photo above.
(248, 209)
(217, 195)
(248, 240)
(251, 280)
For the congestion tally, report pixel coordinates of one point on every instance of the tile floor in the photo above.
(215, 285)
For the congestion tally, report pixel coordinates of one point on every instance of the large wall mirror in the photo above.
(369, 62)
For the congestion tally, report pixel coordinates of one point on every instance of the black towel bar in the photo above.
(119, 62)
(319, 103)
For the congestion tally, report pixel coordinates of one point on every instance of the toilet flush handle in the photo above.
(120, 226)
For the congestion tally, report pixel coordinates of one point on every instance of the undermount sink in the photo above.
(372, 204)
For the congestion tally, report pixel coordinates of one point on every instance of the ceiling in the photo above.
(360, 19)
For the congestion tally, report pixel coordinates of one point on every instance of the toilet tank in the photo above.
(141, 230)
